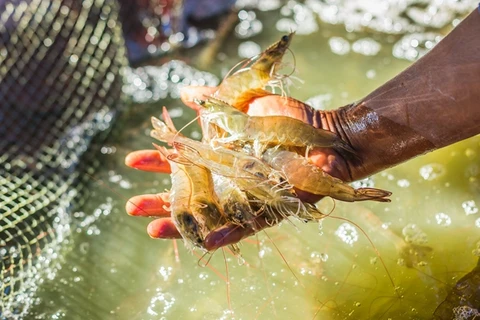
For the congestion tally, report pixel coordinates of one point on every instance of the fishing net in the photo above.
(62, 77)
(60, 88)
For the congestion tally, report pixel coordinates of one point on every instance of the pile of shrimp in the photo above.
(248, 168)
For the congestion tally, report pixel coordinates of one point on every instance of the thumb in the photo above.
(189, 93)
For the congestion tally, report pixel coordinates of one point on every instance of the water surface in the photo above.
(426, 237)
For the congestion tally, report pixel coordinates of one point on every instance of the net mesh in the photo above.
(60, 87)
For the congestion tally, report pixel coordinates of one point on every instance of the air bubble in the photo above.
(413, 234)
(339, 45)
(443, 219)
(248, 49)
(432, 171)
(366, 46)
(403, 183)
(470, 207)
(347, 233)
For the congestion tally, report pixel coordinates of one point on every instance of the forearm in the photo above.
(432, 104)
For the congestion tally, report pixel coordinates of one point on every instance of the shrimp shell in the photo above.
(248, 83)
(302, 174)
(277, 130)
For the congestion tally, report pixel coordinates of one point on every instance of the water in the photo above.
(427, 237)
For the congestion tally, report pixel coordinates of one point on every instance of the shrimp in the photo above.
(302, 174)
(182, 215)
(277, 130)
(220, 160)
(273, 196)
(194, 204)
(234, 201)
(248, 83)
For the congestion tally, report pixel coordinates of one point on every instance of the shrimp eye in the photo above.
(259, 175)
(199, 102)
(285, 38)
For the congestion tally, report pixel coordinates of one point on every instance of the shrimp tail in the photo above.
(161, 131)
(168, 120)
(186, 151)
(372, 194)
(172, 157)
(344, 148)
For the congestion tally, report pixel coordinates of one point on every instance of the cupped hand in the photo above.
(156, 205)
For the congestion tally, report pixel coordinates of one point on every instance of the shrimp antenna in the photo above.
(210, 256)
(189, 123)
(283, 258)
(373, 246)
(245, 62)
(294, 63)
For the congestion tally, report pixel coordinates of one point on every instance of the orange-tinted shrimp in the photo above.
(248, 83)
(302, 174)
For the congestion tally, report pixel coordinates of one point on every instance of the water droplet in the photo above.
(248, 49)
(477, 223)
(366, 46)
(470, 153)
(403, 183)
(432, 171)
(371, 74)
(413, 234)
(339, 45)
(347, 233)
(469, 207)
(443, 219)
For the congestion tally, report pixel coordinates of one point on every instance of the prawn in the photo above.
(234, 201)
(273, 196)
(302, 174)
(248, 83)
(220, 160)
(194, 204)
(182, 215)
(277, 130)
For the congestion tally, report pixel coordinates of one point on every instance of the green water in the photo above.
(111, 269)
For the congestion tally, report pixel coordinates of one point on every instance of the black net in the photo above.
(60, 87)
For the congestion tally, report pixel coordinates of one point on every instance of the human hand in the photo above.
(156, 205)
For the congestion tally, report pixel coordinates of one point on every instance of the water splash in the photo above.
(152, 83)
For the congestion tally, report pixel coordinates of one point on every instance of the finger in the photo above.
(330, 162)
(230, 233)
(275, 105)
(163, 229)
(148, 160)
(148, 205)
(189, 93)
